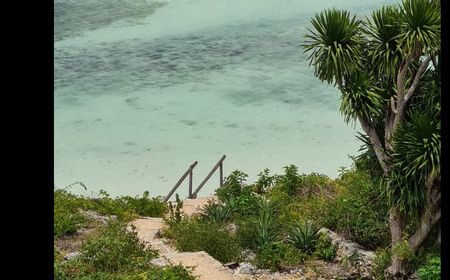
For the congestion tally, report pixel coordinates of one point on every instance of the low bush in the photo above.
(67, 219)
(233, 186)
(380, 262)
(304, 236)
(264, 182)
(192, 235)
(115, 249)
(277, 256)
(219, 213)
(431, 270)
(352, 206)
(325, 249)
(115, 253)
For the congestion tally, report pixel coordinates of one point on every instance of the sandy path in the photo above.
(204, 266)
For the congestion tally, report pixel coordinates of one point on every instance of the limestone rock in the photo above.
(246, 268)
(71, 255)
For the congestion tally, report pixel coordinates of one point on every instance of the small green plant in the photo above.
(145, 206)
(193, 235)
(233, 186)
(291, 179)
(381, 261)
(264, 182)
(176, 272)
(351, 259)
(115, 249)
(278, 255)
(403, 251)
(218, 213)
(175, 211)
(67, 218)
(325, 249)
(304, 236)
(431, 270)
(265, 229)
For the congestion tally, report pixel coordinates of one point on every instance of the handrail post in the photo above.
(190, 184)
(221, 174)
(189, 171)
(218, 164)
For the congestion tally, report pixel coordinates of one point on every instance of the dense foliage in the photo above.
(67, 206)
(115, 253)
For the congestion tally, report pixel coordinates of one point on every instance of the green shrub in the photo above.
(291, 180)
(176, 272)
(150, 273)
(325, 249)
(193, 235)
(67, 218)
(145, 206)
(380, 262)
(403, 251)
(361, 212)
(115, 249)
(219, 213)
(278, 255)
(356, 210)
(233, 185)
(304, 236)
(266, 227)
(264, 182)
(174, 212)
(431, 270)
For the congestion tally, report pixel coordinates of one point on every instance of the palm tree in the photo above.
(387, 70)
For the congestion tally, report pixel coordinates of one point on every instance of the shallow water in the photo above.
(145, 88)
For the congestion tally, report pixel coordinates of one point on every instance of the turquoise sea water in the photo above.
(144, 88)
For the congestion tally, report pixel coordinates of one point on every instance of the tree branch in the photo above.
(393, 105)
(417, 77)
(402, 101)
(431, 214)
(376, 143)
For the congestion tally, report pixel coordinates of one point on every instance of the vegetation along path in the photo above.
(204, 266)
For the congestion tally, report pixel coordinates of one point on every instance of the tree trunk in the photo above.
(430, 215)
(397, 269)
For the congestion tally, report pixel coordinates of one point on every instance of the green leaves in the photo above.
(361, 97)
(415, 156)
(219, 213)
(383, 29)
(420, 25)
(304, 236)
(335, 43)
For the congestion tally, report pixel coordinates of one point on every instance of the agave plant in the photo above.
(265, 229)
(304, 236)
(219, 213)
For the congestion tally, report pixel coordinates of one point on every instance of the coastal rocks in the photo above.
(95, 216)
(71, 255)
(246, 268)
(351, 255)
(248, 255)
(232, 265)
(160, 262)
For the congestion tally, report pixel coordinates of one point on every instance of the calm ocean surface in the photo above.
(145, 88)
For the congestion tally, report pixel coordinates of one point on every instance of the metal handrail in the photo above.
(189, 171)
(218, 164)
